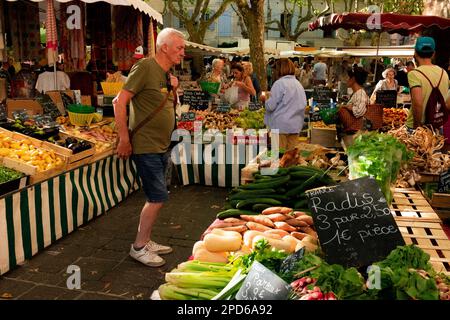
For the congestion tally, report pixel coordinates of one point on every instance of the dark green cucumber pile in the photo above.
(286, 188)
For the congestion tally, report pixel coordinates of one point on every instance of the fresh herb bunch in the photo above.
(264, 254)
(7, 174)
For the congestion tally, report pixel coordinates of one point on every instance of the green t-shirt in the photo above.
(416, 79)
(147, 80)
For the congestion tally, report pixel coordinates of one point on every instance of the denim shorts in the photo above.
(151, 168)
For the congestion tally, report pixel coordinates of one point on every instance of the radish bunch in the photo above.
(300, 288)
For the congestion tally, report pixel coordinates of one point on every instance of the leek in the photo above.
(194, 279)
(172, 292)
(199, 266)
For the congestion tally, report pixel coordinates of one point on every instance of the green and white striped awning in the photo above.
(211, 165)
(35, 217)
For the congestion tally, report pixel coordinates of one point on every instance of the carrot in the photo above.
(278, 232)
(299, 235)
(277, 217)
(296, 223)
(259, 219)
(271, 210)
(257, 226)
(306, 218)
(284, 226)
(234, 221)
(239, 229)
(309, 231)
(297, 214)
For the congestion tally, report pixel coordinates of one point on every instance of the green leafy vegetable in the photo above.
(7, 174)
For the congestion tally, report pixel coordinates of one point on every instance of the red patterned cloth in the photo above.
(128, 35)
(73, 40)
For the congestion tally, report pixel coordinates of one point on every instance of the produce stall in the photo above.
(34, 217)
(307, 234)
(219, 147)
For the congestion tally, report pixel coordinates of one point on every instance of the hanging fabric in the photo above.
(24, 29)
(128, 35)
(73, 38)
(152, 38)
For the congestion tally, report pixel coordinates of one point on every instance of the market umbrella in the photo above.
(381, 22)
(52, 37)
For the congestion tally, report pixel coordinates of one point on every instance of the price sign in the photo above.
(354, 224)
(254, 106)
(444, 182)
(263, 284)
(196, 99)
(222, 107)
(188, 116)
(387, 98)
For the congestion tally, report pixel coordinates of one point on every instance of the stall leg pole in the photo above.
(376, 59)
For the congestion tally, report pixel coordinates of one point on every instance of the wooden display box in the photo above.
(73, 160)
(31, 106)
(325, 137)
(32, 171)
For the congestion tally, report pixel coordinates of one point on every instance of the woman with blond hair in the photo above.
(285, 109)
(248, 67)
(388, 83)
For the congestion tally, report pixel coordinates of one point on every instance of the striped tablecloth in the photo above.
(35, 217)
(212, 165)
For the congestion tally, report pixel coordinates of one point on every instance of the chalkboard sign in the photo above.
(353, 222)
(324, 94)
(48, 106)
(263, 284)
(223, 107)
(196, 99)
(254, 106)
(387, 98)
(315, 116)
(444, 182)
(290, 262)
(188, 116)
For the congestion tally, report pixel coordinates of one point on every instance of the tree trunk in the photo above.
(254, 20)
(438, 8)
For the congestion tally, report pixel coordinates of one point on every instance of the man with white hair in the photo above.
(148, 89)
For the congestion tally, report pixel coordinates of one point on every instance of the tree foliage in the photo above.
(299, 11)
(197, 20)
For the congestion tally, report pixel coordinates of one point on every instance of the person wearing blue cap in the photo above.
(423, 79)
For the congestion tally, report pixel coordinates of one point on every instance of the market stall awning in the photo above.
(326, 53)
(241, 51)
(137, 4)
(387, 22)
(394, 52)
(202, 47)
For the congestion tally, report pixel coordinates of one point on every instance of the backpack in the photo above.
(436, 113)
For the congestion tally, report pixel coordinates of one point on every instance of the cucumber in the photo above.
(281, 190)
(277, 182)
(259, 177)
(258, 191)
(301, 204)
(259, 207)
(304, 186)
(233, 203)
(294, 183)
(240, 196)
(247, 202)
(302, 174)
(234, 213)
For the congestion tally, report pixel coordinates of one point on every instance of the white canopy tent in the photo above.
(201, 47)
(368, 52)
(137, 4)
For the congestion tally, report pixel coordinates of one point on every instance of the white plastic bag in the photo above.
(231, 95)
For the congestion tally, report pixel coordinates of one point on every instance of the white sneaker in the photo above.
(147, 257)
(158, 248)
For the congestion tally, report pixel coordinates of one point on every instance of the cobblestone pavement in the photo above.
(100, 248)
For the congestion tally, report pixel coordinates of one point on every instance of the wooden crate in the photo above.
(28, 169)
(325, 137)
(100, 155)
(440, 203)
(410, 205)
(430, 237)
(73, 160)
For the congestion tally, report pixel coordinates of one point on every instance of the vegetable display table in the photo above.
(211, 166)
(33, 218)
